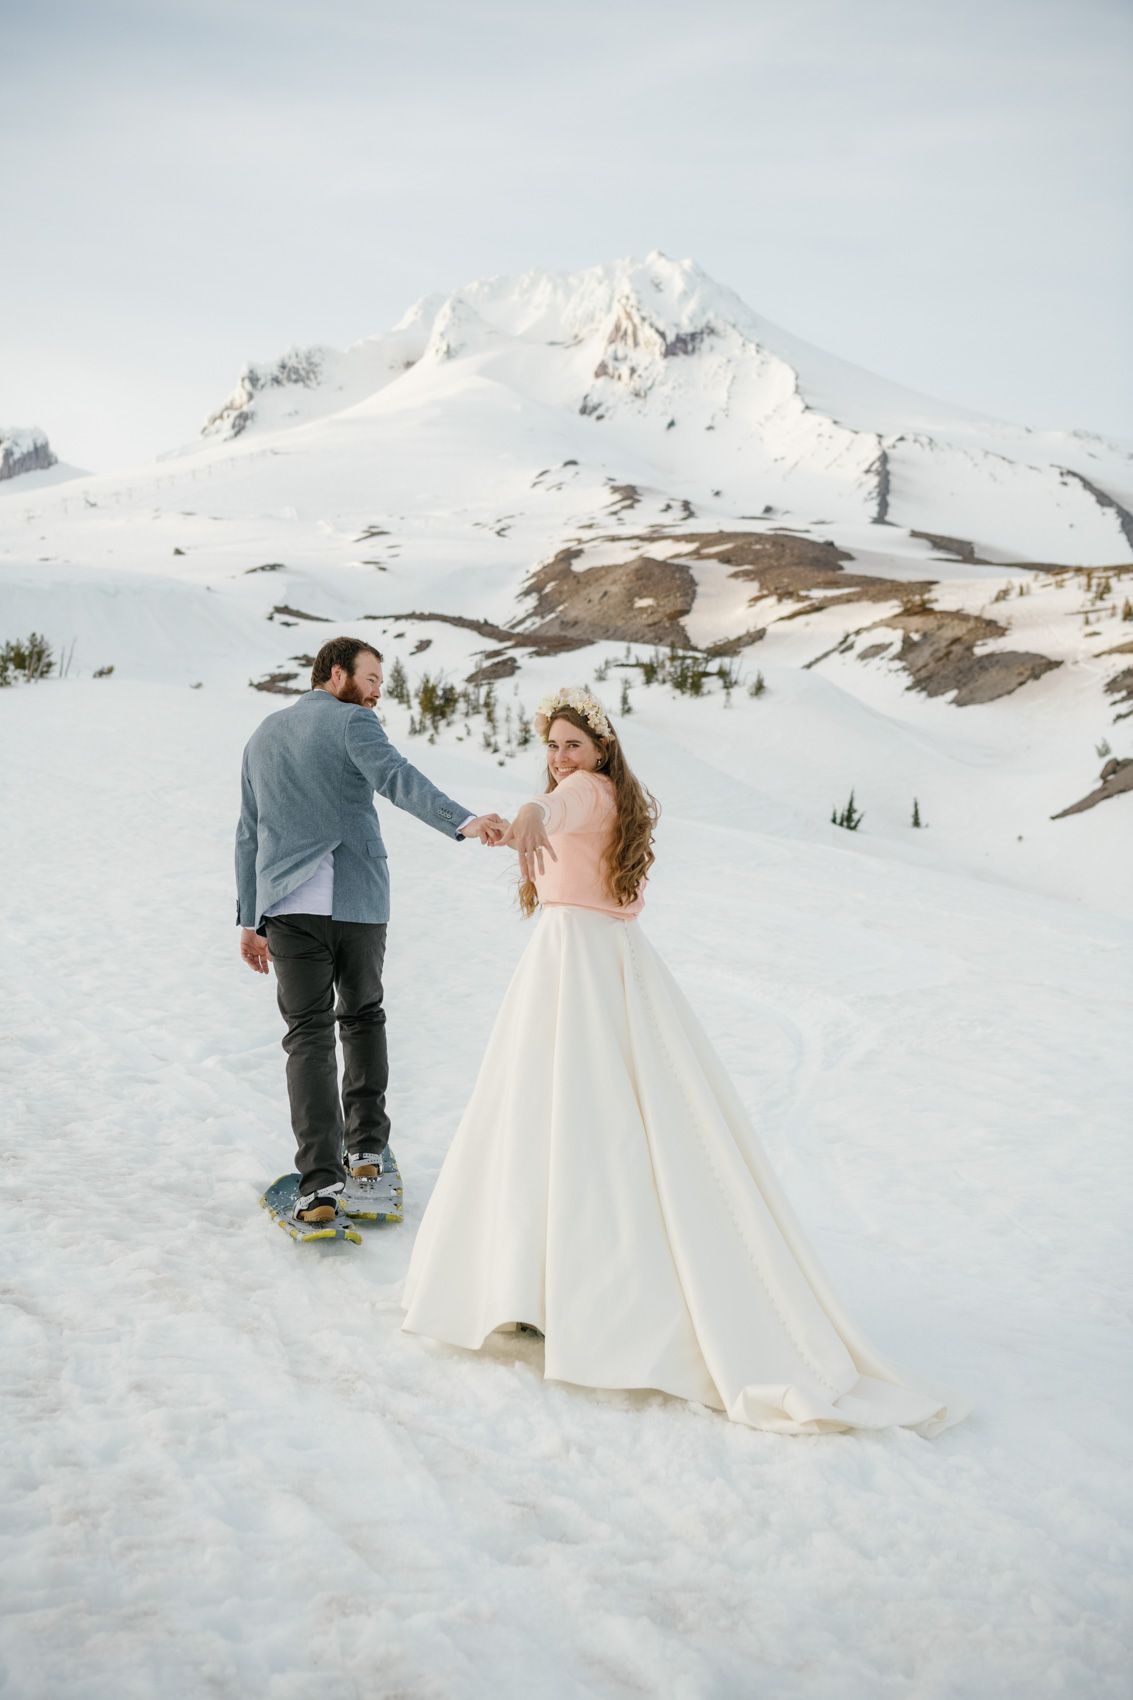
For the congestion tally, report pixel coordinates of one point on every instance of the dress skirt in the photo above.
(605, 1184)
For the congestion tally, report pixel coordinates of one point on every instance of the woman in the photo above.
(605, 1185)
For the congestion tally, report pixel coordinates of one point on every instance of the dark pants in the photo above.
(315, 957)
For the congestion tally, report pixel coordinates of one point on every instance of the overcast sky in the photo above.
(938, 192)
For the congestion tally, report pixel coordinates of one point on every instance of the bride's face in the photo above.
(569, 748)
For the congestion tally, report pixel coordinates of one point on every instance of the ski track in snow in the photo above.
(228, 1473)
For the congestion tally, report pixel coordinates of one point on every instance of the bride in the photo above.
(605, 1185)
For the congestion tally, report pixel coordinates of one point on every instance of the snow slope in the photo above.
(228, 1473)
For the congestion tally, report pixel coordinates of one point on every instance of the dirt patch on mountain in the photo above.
(938, 649)
(953, 548)
(279, 684)
(1116, 777)
(537, 642)
(799, 569)
(642, 600)
(1121, 687)
(490, 670)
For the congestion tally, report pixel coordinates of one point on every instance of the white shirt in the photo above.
(316, 895)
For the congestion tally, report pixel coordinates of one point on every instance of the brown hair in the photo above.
(339, 652)
(630, 854)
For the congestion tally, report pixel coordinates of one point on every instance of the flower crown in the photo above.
(582, 700)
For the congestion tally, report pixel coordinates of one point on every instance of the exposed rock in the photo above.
(795, 568)
(879, 471)
(502, 669)
(954, 548)
(638, 601)
(1104, 500)
(299, 367)
(279, 684)
(24, 449)
(268, 567)
(732, 646)
(536, 643)
(281, 608)
(1121, 687)
(1116, 776)
(625, 498)
(420, 646)
(938, 648)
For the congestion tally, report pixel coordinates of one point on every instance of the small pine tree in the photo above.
(1127, 609)
(437, 700)
(917, 821)
(757, 687)
(399, 683)
(625, 706)
(851, 817)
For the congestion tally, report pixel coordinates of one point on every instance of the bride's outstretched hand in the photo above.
(527, 836)
(489, 829)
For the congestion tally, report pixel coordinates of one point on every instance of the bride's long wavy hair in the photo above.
(630, 854)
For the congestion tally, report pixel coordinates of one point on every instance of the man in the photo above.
(313, 899)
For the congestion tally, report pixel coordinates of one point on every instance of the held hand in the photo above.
(527, 836)
(489, 829)
(254, 950)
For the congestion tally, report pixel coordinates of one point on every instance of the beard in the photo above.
(353, 692)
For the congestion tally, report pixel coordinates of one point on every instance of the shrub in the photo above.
(29, 659)
(437, 700)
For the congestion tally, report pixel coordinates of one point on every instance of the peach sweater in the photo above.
(579, 815)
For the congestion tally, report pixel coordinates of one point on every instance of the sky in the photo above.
(939, 193)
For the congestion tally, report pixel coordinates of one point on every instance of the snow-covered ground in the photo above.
(228, 1473)
(225, 1470)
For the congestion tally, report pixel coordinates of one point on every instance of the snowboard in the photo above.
(377, 1200)
(279, 1201)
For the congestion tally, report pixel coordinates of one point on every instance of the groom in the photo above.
(313, 898)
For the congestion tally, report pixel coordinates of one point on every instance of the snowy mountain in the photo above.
(671, 368)
(26, 454)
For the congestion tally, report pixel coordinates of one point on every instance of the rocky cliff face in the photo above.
(24, 449)
(299, 368)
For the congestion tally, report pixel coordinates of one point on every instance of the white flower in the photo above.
(582, 700)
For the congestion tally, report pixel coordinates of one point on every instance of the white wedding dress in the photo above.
(605, 1184)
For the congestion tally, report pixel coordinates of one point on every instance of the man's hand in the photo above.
(528, 837)
(254, 950)
(489, 829)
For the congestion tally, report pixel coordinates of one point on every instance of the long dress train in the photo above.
(605, 1184)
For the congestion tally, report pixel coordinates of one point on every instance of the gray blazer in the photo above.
(307, 786)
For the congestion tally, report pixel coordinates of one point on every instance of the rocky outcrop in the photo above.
(299, 368)
(938, 649)
(642, 600)
(952, 548)
(1104, 500)
(1116, 778)
(24, 449)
